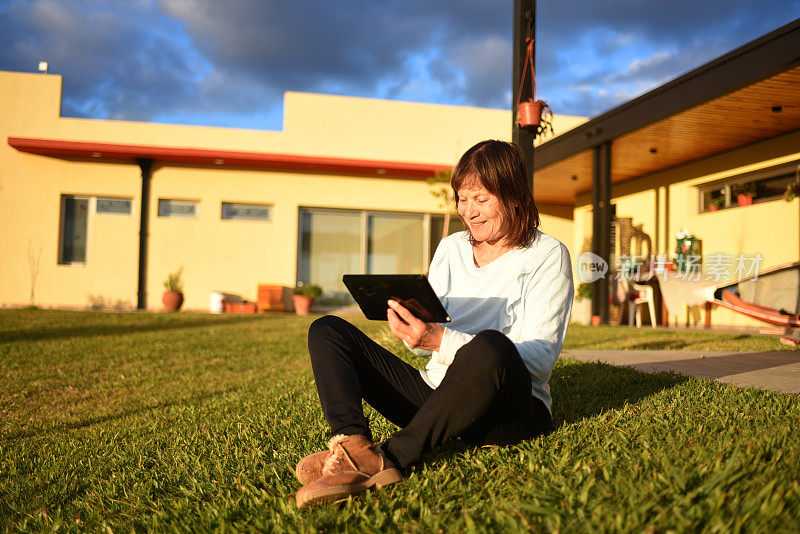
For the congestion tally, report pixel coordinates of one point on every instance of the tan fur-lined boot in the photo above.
(353, 466)
(309, 468)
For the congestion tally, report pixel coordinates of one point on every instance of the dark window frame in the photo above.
(789, 171)
(62, 228)
(268, 206)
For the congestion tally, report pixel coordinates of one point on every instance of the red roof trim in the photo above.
(81, 149)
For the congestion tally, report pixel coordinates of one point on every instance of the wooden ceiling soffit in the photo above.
(725, 123)
(561, 182)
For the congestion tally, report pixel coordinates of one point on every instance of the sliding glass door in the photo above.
(330, 246)
(395, 243)
(335, 242)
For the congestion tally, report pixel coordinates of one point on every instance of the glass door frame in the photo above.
(364, 237)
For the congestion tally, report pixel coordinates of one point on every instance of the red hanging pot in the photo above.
(529, 114)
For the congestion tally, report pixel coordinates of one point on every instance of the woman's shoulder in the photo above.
(454, 241)
(543, 250)
(544, 244)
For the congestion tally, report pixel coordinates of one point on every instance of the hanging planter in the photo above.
(532, 114)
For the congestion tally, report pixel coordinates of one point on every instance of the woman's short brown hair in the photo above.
(500, 168)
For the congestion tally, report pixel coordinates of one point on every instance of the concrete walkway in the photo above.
(779, 371)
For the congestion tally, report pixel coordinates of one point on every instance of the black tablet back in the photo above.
(413, 291)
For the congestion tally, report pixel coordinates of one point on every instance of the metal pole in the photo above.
(146, 166)
(601, 222)
(524, 25)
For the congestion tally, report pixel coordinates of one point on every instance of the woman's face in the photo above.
(480, 211)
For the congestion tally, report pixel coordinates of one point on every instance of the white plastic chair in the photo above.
(645, 296)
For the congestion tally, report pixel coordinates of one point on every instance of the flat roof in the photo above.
(221, 158)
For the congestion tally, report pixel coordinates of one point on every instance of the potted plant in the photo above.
(173, 296)
(303, 298)
(584, 292)
(535, 116)
(744, 193)
(792, 191)
(716, 203)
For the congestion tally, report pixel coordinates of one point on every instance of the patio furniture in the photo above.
(643, 296)
(270, 298)
(679, 290)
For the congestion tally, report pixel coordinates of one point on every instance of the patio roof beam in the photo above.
(601, 225)
(146, 166)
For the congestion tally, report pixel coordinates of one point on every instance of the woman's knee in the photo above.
(491, 349)
(325, 329)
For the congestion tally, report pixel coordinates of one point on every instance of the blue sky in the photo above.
(228, 63)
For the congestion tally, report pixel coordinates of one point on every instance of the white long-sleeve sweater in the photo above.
(526, 294)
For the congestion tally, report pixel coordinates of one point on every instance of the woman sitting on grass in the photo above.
(508, 289)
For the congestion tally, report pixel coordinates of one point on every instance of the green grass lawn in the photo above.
(195, 422)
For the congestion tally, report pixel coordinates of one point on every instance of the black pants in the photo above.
(484, 398)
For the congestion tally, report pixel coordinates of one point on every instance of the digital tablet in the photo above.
(413, 291)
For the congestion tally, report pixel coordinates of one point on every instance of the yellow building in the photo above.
(342, 188)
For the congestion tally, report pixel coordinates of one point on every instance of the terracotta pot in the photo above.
(529, 114)
(713, 207)
(240, 307)
(302, 304)
(744, 199)
(595, 320)
(172, 300)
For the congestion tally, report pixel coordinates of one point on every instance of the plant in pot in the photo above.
(792, 191)
(744, 193)
(173, 296)
(533, 114)
(303, 298)
(584, 292)
(716, 203)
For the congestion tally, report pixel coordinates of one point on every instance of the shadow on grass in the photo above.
(47, 333)
(582, 390)
(60, 427)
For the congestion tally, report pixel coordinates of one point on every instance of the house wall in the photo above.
(217, 255)
(771, 228)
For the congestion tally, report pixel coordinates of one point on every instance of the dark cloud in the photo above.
(604, 53)
(115, 63)
(144, 59)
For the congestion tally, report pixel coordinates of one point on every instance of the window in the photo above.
(246, 212)
(74, 229)
(177, 208)
(336, 242)
(751, 188)
(118, 206)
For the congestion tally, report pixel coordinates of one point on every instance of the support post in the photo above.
(601, 225)
(524, 25)
(146, 166)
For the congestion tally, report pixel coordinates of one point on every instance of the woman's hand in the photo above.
(416, 333)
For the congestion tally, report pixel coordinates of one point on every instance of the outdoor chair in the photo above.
(642, 295)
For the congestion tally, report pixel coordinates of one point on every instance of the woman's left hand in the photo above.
(415, 332)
